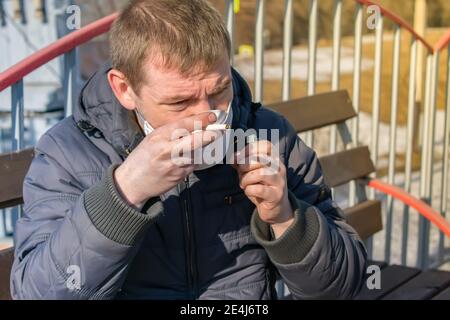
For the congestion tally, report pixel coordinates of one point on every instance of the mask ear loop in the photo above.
(139, 115)
(147, 127)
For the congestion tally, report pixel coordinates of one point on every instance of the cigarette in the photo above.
(213, 127)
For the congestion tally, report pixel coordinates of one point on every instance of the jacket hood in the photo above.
(98, 111)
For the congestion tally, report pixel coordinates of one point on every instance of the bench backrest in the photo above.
(335, 108)
(6, 261)
(13, 168)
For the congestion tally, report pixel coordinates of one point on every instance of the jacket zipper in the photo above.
(190, 243)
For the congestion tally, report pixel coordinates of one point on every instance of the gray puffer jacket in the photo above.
(78, 239)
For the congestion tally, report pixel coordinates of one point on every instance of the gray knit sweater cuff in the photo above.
(296, 241)
(113, 216)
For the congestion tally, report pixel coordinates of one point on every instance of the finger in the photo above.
(180, 171)
(263, 175)
(178, 174)
(259, 147)
(256, 161)
(186, 146)
(175, 130)
(187, 170)
(182, 161)
(260, 192)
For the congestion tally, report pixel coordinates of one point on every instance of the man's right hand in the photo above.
(149, 170)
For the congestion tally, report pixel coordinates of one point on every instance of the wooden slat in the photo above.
(443, 295)
(391, 278)
(344, 166)
(365, 218)
(316, 111)
(423, 287)
(381, 264)
(13, 168)
(6, 260)
(11, 203)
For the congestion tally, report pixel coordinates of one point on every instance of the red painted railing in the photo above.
(443, 42)
(57, 48)
(397, 19)
(424, 209)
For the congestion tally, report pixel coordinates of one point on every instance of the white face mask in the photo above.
(223, 117)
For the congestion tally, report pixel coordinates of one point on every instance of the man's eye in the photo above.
(178, 103)
(221, 91)
(218, 94)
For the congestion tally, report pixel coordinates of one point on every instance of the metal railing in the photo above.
(66, 47)
(442, 46)
(428, 144)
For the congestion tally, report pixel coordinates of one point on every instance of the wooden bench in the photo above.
(352, 164)
(6, 260)
(13, 168)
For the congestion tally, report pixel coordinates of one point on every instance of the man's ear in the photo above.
(122, 90)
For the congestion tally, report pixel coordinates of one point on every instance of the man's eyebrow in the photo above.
(221, 87)
(174, 99)
(179, 98)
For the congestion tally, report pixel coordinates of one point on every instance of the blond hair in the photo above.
(182, 34)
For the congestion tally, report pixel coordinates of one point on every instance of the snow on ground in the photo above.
(273, 64)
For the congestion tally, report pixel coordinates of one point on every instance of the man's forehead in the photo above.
(155, 77)
(161, 80)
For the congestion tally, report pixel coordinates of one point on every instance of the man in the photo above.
(109, 214)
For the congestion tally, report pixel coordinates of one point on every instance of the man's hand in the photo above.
(263, 179)
(150, 170)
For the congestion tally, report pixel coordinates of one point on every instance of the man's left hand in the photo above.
(262, 176)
